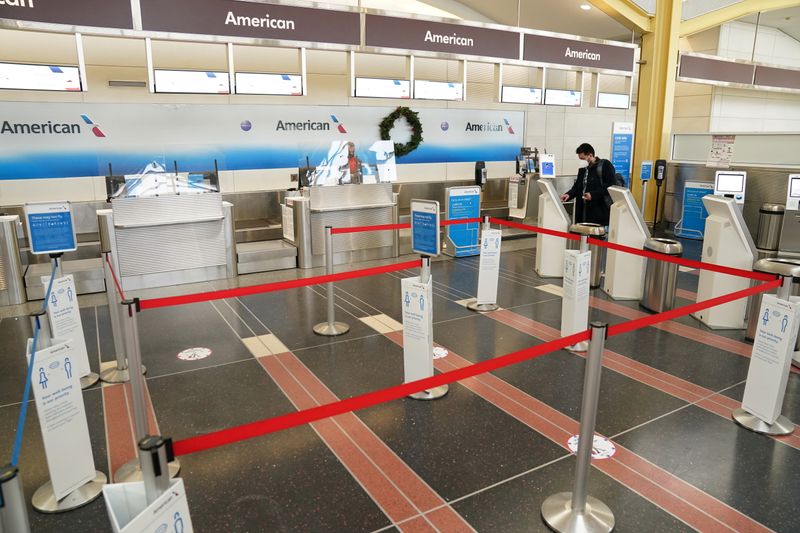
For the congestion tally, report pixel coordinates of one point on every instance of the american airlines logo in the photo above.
(49, 127)
(17, 3)
(488, 127)
(310, 125)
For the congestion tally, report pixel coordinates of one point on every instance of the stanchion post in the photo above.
(131, 470)
(576, 511)
(13, 509)
(45, 339)
(584, 243)
(425, 269)
(155, 453)
(330, 328)
(487, 224)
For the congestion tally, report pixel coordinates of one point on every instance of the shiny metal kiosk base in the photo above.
(115, 375)
(782, 426)
(430, 394)
(473, 305)
(44, 500)
(331, 330)
(89, 379)
(558, 515)
(579, 347)
(131, 471)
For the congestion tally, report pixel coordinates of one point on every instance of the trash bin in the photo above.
(770, 221)
(595, 231)
(785, 267)
(660, 277)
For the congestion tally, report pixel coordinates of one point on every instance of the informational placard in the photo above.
(547, 166)
(463, 202)
(65, 320)
(417, 329)
(50, 227)
(513, 192)
(425, 227)
(721, 153)
(287, 222)
(773, 348)
(128, 511)
(62, 417)
(489, 273)
(693, 215)
(793, 193)
(622, 149)
(575, 304)
(647, 171)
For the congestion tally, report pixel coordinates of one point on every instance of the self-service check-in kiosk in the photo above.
(523, 204)
(549, 248)
(727, 242)
(730, 184)
(625, 272)
(790, 232)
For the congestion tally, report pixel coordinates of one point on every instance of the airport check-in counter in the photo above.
(306, 216)
(170, 239)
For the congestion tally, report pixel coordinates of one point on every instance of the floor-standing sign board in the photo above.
(773, 348)
(425, 239)
(50, 227)
(62, 418)
(463, 202)
(417, 328)
(489, 266)
(575, 305)
(622, 149)
(65, 320)
(129, 513)
(693, 215)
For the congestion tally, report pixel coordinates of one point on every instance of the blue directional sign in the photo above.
(692, 224)
(425, 227)
(647, 170)
(50, 227)
(463, 202)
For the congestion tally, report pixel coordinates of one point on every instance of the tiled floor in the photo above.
(482, 458)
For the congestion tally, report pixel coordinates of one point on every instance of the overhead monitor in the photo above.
(39, 77)
(382, 88)
(730, 184)
(438, 90)
(191, 82)
(270, 84)
(562, 97)
(613, 100)
(521, 95)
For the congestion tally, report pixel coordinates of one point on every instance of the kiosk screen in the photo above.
(730, 182)
(794, 188)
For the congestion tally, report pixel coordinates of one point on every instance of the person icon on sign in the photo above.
(178, 523)
(68, 367)
(784, 323)
(765, 318)
(407, 300)
(421, 302)
(42, 378)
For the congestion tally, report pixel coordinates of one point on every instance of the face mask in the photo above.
(582, 163)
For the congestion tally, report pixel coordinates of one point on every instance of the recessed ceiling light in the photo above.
(586, 7)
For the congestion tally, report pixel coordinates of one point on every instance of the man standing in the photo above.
(590, 189)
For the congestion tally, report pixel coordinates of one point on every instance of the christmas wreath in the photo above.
(416, 130)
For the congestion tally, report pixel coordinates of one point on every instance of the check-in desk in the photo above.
(169, 239)
(306, 216)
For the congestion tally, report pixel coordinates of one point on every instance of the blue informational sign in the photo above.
(50, 228)
(647, 170)
(425, 227)
(622, 149)
(463, 239)
(692, 224)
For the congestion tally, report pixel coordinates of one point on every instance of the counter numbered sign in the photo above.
(50, 227)
(425, 235)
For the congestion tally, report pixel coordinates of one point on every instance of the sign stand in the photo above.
(69, 325)
(417, 295)
(463, 202)
(330, 328)
(56, 392)
(768, 374)
(576, 511)
(157, 503)
(13, 510)
(489, 270)
(575, 302)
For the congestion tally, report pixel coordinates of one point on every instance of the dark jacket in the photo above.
(597, 210)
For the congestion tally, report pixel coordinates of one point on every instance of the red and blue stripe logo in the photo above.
(95, 128)
(339, 125)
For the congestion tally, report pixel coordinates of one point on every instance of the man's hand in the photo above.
(565, 197)
(587, 196)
